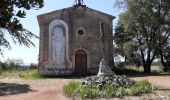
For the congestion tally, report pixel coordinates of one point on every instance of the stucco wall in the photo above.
(85, 19)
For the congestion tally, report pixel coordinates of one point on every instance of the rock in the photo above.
(102, 81)
(104, 69)
(106, 77)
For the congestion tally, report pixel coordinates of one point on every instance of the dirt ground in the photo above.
(51, 89)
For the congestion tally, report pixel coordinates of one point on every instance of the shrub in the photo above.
(71, 89)
(108, 91)
(29, 74)
(33, 66)
(11, 64)
(143, 86)
(75, 89)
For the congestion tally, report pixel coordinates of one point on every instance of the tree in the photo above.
(145, 21)
(125, 47)
(10, 12)
(163, 49)
(164, 53)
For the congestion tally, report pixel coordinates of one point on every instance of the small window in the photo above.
(80, 32)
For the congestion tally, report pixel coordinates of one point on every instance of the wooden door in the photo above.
(81, 62)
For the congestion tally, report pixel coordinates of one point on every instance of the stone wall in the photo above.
(85, 19)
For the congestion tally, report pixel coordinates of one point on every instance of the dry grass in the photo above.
(26, 74)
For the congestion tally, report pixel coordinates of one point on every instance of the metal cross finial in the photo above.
(79, 2)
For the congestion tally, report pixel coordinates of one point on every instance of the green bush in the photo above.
(29, 74)
(71, 89)
(33, 66)
(11, 64)
(75, 89)
(143, 86)
(108, 91)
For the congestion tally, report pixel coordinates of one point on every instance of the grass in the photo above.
(26, 74)
(75, 89)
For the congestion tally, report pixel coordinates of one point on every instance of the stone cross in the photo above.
(104, 68)
(79, 2)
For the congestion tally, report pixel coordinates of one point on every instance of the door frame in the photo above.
(88, 58)
(80, 62)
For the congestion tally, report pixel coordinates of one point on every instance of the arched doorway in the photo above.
(80, 62)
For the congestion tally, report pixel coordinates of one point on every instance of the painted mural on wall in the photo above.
(58, 47)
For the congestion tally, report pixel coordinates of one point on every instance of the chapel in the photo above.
(70, 40)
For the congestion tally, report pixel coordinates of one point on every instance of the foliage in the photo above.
(33, 66)
(147, 24)
(70, 89)
(120, 4)
(75, 89)
(29, 74)
(11, 64)
(164, 55)
(126, 47)
(10, 12)
(26, 74)
(142, 87)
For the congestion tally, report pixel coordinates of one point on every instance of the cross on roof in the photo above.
(79, 3)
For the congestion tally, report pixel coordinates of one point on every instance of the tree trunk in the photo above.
(147, 68)
(164, 63)
(147, 63)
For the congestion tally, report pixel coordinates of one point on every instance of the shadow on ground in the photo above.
(127, 72)
(124, 71)
(73, 76)
(167, 89)
(135, 73)
(13, 88)
(148, 74)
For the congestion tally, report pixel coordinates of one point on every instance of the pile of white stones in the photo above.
(102, 81)
(106, 77)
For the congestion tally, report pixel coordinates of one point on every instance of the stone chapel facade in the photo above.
(70, 41)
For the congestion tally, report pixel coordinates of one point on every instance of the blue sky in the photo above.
(30, 55)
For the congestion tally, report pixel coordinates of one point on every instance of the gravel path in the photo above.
(51, 89)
